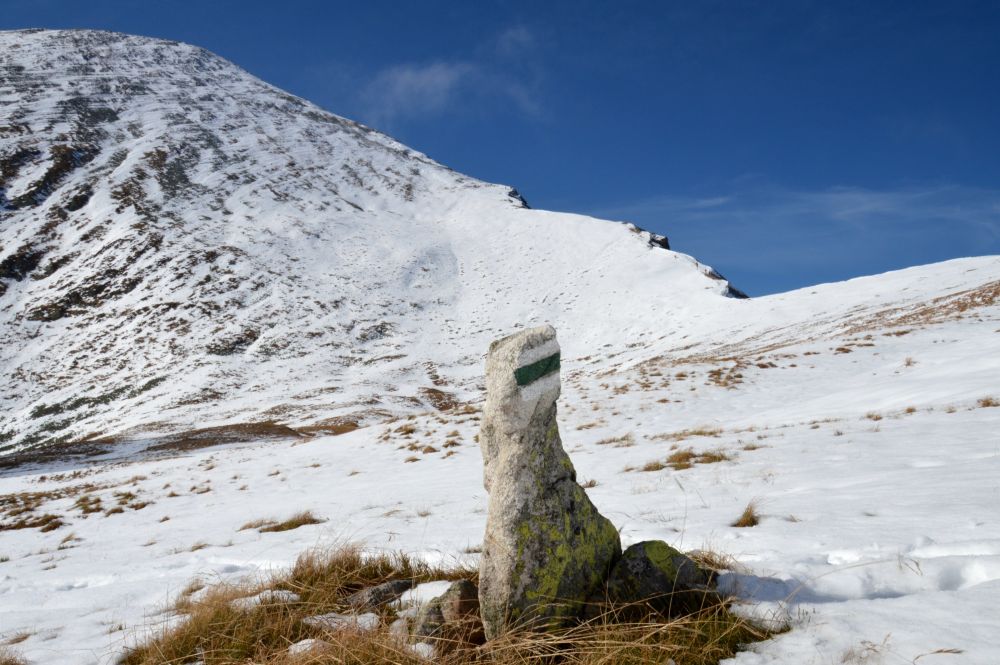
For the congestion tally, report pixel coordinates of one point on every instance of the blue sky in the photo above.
(783, 143)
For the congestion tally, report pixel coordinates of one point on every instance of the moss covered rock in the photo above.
(653, 576)
(547, 549)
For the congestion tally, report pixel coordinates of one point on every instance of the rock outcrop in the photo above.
(547, 549)
(652, 575)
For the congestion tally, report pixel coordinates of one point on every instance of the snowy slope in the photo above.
(183, 245)
(859, 416)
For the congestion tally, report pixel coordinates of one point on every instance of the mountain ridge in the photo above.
(167, 217)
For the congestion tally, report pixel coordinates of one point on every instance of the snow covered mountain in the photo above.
(183, 245)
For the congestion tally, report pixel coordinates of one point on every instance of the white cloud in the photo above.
(513, 42)
(411, 89)
(416, 89)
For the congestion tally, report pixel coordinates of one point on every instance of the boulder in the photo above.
(652, 575)
(460, 602)
(450, 621)
(338, 621)
(546, 549)
(374, 597)
(429, 621)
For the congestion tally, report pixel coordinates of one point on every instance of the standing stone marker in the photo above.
(547, 549)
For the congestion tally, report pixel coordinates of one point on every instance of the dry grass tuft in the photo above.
(688, 433)
(714, 562)
(44, 523)
(749, 517)
(9, 657)
(88, 503)
(686, 458)
(985, 402)
(704, 637)
(17, 638)
(215, 633)
(294, 522)
(711, 457)
(257, 524)
(624, 441)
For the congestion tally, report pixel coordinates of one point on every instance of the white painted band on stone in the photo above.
(536, 389)
(535, 354)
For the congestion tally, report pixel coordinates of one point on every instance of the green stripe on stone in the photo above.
(536, 370)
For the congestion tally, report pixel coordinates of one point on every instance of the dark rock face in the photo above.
(516, 195)
(731, 291)
(651, 575)
(19, 265)
(656, 240)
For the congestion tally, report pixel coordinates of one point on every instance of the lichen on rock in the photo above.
(547, 549)
(652, 575)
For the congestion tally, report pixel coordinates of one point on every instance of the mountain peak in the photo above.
(184, 245)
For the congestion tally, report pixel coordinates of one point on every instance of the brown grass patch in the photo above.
(624, 441)
(24, 507)
(406, 429)
(88, 503)
(44, 523)
(9, 657)
(986, 402)
(256, 524)
(727, 377)
(294, 522)
(332, 426)
(688, 433)
(686, 458)
(17, 638)
(223, 434)
(439, 399)
(215, 633)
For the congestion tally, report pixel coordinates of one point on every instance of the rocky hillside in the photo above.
(185, 246)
